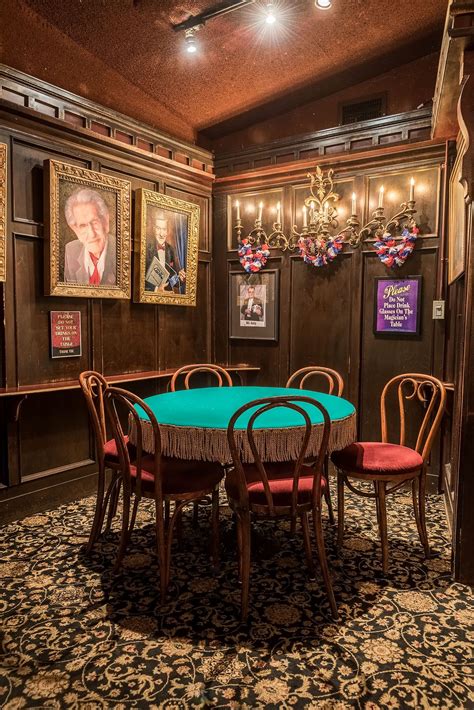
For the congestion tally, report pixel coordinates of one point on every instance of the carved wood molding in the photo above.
(458, 35)
(361, 137)
(62, 107)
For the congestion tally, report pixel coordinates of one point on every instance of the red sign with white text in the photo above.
(66, 334)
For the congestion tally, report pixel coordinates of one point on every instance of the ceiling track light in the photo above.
(190, 39)
(221, 8)
(270, 18)
(323, 4)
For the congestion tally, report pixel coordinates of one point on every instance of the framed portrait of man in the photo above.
(166, 249)
(3, 211)
(253, 305)
(87, 219)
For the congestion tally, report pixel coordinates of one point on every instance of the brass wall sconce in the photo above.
(320, 219)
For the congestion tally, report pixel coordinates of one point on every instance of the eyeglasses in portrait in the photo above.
(253, 305)
(88, 222)
(166, 248)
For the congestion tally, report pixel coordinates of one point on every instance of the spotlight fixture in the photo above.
(323, 4)
(270, 19)
(190, 39)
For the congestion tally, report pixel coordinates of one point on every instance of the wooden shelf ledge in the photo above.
(63, 385)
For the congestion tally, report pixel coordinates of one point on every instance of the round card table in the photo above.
(193, 423)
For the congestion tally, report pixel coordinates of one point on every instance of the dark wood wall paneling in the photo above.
(47, 447)
(326, 314)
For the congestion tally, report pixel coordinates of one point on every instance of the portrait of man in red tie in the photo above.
(162, 263)
(91, 258)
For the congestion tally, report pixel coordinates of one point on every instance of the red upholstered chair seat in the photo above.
(280, 481)
(376, 457)
(110, 450)
(179, 476)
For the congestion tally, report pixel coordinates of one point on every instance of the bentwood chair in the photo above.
(335, 384)
(277, 490)
(390, 466)
(162, 479)
(331, 378)
(94, 385)
(189, 371)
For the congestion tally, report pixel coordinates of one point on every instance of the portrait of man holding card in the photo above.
(163, 270)
(167, 241)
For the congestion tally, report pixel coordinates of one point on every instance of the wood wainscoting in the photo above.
(47, 446)
(326, 314)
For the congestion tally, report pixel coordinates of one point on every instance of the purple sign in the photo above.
(397, 305)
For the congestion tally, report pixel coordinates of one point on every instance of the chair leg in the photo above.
(422, 509)
(215, 528)
(238, 526)
(416, 509)
(124, 537)
(114, 497)
(292, 527)
(382, 516)
(318, 530)
(307, 544)
(340, 508)
(327, 492)
(160, 525)
(98, 513)
(245, 563)
(195, 513)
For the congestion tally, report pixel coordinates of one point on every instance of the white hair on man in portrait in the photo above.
(81, 197)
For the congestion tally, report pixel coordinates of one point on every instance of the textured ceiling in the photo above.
(241, 67)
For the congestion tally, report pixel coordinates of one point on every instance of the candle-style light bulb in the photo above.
(260, 210)
(278, 213)
(311, 213)
(237, 206)
(412, 189)
(381, 191)
(305, 216)
(354, 204)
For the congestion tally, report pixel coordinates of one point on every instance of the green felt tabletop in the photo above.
(212, 407)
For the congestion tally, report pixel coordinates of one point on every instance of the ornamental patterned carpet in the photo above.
(76, 636)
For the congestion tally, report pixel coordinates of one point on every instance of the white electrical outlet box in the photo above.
(438, 310)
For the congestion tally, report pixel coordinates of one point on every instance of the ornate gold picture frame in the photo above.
(87, 244)
(3, 212)
(166, 249)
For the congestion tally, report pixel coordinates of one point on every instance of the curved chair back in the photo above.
(120, 406)
(260, 406)
(219, 373)
(333, 379)
(94, 385)
(430, 393)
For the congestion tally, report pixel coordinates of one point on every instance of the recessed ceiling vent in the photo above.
(363, 110)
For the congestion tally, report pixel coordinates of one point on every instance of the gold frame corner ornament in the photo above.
(144, 199)
(57, 171)
(3, 211)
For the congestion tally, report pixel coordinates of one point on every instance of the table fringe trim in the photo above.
(273, 444)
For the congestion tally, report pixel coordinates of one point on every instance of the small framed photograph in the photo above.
(87, 247)
(397, 306)
(3, 212)
(253, 305)
(166, 249)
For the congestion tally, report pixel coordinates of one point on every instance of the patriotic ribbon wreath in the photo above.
(319, 252)
(393, 253)
(251, 260)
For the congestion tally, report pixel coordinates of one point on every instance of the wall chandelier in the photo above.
(320, 238)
